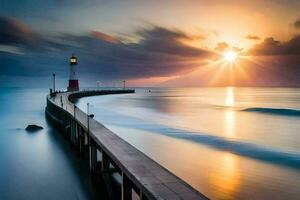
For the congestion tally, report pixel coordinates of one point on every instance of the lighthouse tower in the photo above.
(73, 80)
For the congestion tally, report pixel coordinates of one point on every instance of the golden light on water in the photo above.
(227, 176)
(229, 114)
(229, 96)
(229, 124)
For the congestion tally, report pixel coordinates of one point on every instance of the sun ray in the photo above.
(255, 61)
(218, 74)
(242, 71)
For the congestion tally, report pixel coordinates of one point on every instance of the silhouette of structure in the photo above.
(73, 80)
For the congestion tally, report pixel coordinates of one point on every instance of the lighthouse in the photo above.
(73, 80)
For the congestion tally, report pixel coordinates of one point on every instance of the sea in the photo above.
(227, 142)
(42, 164)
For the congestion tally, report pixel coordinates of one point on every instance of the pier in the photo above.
(141, 177)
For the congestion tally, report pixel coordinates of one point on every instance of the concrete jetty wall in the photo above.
(140, 176)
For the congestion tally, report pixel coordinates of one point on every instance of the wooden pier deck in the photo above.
(139, 173)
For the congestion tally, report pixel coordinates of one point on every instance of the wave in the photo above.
(251, 150)
(274, 111)
(290, 159)
(240, 148)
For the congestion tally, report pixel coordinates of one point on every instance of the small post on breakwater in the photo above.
(53, 82)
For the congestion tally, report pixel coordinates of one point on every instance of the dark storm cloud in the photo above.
(270, 46)
(16, 34)
(297, 24)
(13, 32)
(159, 39)
(158, 53)
(253, 37)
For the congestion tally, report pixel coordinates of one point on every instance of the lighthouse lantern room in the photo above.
(73, 80)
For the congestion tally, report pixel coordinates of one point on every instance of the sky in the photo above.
(178, 43)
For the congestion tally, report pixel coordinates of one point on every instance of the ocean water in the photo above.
(38, 165)
(228, 143)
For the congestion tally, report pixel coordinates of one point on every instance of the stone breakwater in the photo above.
(140, 176)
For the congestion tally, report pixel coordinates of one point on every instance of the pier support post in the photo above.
(92, 154)
(126, 190)
(86, 139)
(79, 139)
(104, 163)
(142, 196)
(72, 131)
(74, 135)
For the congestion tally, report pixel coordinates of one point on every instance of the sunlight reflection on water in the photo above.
(165, 123)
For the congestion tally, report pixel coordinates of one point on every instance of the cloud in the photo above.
(105, 37)
(158, 53)
(270, 46)
(297, 24)
(13, 32)
(222, 46)
(159, 39)
(17, 35)
(253, 37)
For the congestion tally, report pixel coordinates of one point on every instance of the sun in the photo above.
(230, 56)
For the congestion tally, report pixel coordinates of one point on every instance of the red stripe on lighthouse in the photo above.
(73, 85)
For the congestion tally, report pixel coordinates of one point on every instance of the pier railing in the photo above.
(141, 177)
